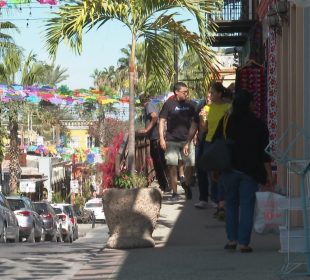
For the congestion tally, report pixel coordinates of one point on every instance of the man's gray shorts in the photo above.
(174, 153)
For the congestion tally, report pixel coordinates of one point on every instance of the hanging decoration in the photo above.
(35, 94)
(14, 3)
(3, 4)
(50, 2)
(251, 77)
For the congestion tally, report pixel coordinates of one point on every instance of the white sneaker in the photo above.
(213, 204)
(201, 204)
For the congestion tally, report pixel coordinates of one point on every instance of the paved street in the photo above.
(49, 260)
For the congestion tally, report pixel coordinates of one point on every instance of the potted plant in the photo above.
(131, 210)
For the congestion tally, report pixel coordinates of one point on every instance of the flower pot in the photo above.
(131, 216)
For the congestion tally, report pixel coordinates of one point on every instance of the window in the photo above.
(2, 200)
(90, 141)
(75, 142)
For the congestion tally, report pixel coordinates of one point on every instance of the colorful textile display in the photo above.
(251, 77)
(272, 85)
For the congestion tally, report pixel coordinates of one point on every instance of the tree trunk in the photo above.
(131, 135)
(14, 152)
(101, 127)
(1, 148)
(175, 59)
(57, 134)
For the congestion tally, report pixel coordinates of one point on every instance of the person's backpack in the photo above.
(218, 155)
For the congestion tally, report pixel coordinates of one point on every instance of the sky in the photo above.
(101, 48)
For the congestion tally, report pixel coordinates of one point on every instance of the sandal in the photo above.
(246, 249)
(230, 246)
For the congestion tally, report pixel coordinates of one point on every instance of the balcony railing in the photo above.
(234, 22)
(77, 124)
(234, 10)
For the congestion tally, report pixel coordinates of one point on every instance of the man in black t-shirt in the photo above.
(175, 119)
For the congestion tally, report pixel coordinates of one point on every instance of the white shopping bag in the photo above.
(268, 214)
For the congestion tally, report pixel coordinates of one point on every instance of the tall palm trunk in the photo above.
(101, 127)
(14, 151)
(131, 136)
(57, 135)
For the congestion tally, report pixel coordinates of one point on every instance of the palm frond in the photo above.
(70, 21)
(159, 45)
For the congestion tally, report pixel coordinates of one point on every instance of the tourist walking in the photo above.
(198, 135)
(174, 124)
(208, 119)
(250, 166)
(150, 117)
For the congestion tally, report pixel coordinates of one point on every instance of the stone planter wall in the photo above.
(131, 216)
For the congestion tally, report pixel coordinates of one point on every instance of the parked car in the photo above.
(30, 223)
(95, 205)
(52, 223)
(9, 229)
(67, 227)
(73, 218)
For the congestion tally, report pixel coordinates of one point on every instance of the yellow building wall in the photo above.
(80, 136)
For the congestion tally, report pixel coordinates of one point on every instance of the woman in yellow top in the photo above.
(212, 113)
(208, 118)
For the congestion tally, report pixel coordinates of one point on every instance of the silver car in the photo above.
(9, 230)
(52, 223)
(30, 223)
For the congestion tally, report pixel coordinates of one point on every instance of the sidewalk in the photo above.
(189, 245)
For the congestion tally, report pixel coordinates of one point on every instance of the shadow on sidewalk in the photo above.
(189, 245)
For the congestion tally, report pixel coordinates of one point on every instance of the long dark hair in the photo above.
(241, 103)
(218, 87)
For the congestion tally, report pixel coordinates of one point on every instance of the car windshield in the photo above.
(68, 210)
(41, 206)
(93, 205)
(57, 210)
(16, 204)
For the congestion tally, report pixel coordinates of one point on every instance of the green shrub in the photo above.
(126, 181)
(139, 181)
(79, 201)
(57, 198)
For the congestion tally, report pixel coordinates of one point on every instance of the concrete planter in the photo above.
(131, 216)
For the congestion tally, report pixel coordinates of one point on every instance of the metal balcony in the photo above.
(234, 23)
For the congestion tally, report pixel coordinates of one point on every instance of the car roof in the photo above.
(41, 202)
(17, 197)
(94, 200)
(63, 204)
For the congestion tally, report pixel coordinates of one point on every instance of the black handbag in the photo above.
(218, 155)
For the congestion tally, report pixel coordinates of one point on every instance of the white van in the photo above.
(95, 205)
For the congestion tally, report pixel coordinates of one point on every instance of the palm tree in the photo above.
(53, 75)
(11, 65)
(6, 40)
(191, 70)
(97, 77)
(151, 20)
(123, 66)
